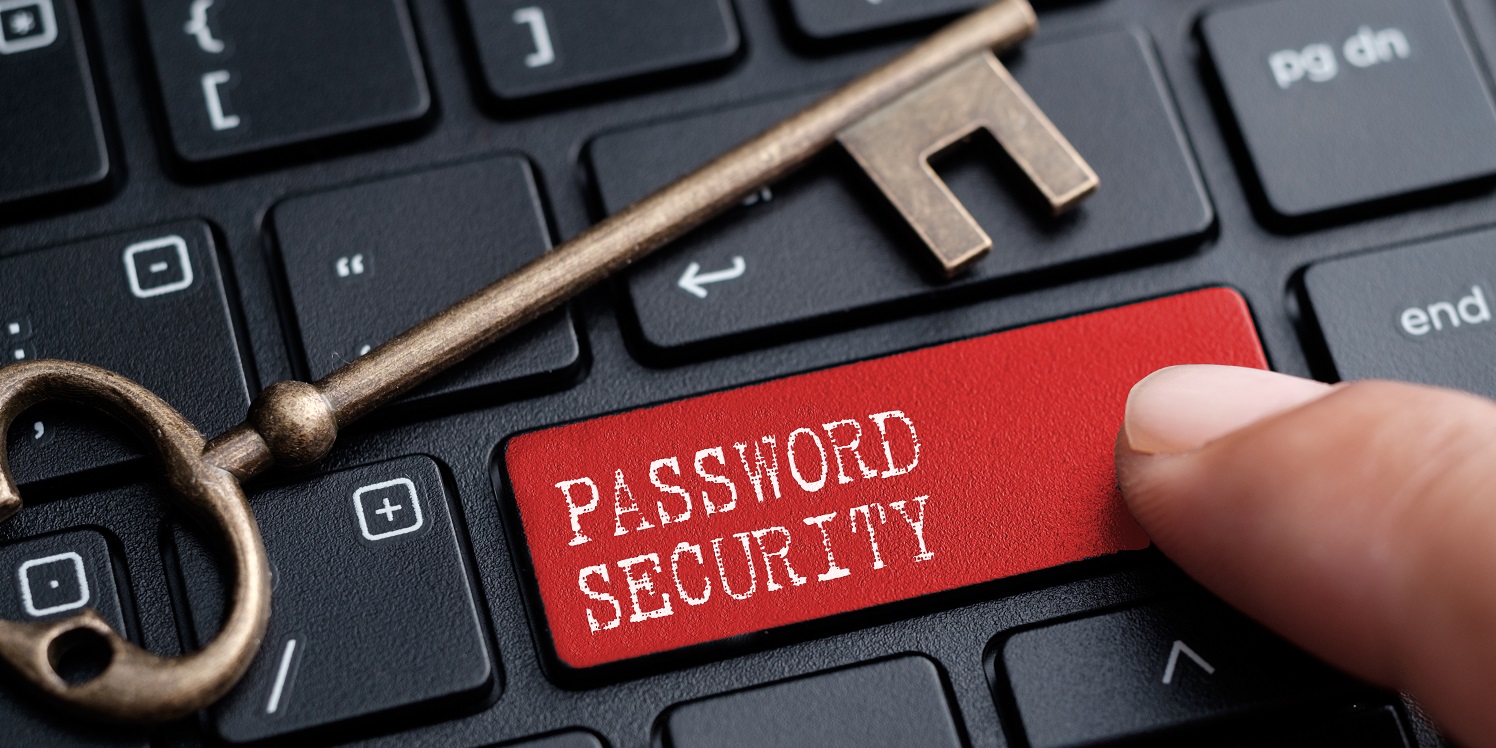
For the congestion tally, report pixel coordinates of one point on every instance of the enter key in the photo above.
(1420, 312)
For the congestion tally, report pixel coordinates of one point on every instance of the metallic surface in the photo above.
(895, 144)
(137, 685)
(295, 423)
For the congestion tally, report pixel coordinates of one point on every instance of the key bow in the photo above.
(136, 685)
(892, 120)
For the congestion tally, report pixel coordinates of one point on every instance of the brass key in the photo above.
(892, 120)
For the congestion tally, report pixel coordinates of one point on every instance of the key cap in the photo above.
(1149, 668)
(530, 48)
(899, 702)
(240, 77)
(148, 304)
(1420, 313)
(824, 245)
(50, 578)
(829, 19)
(365, 263)
(825, 493)
(374, 612)
(572, 739)
(1377, 727)
(1344, 102)
(51, 138)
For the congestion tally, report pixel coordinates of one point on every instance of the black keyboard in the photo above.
(210, 196)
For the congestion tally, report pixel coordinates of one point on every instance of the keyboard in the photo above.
(781, 484)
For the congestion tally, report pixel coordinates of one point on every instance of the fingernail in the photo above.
(1182, 408)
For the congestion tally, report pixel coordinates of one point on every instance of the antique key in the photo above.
(892, 120)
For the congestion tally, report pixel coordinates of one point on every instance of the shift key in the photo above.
(820, 494)
(1420, 312)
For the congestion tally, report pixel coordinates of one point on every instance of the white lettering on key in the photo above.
(694, 282)
(1317, 62)
(1468, 310)
(197, 27)
(544, 53)
(1368, 48)
(216, 117)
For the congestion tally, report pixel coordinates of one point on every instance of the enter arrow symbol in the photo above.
(1182, 648)
(694, 281)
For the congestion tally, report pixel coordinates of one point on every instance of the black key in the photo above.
(531, 48)
(373, 610)
(51, 138)
(148, 304)
(571, 739)
(51, 578)
(364, 263)
(1150, 668)
(1421, 313)
(824, 242)
(1377, 727)
(828, 19)
(1342, 102)
(900, 702)
(240, 77)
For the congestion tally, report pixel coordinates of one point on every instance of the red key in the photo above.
(841, 489)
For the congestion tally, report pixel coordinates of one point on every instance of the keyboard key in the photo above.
(365, 263)
(239, 77)
(51, 138)
(50, 578)
(531, 48)
(1150, 668)
(148, 304)
(824, 243)
(573, 739)
(1420, 313)
(1376, 727)
(828, 19)
(894, 703)
(1343, 102)
(373, 609)
(824, 493)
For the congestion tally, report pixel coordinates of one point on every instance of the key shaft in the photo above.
(296, 423)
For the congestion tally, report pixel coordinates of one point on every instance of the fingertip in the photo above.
(1348, 519)
(1182, 408)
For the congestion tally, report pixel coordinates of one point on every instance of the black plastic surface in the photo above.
(240, 77)
(825, 244)
(895, 703)
(1375, 727)
(364, 263)
(373, 608)
(562, 740)
(1421, 313)
(167, 326)
(530, 49)
(48, 579)
(829, 19)
(1349, 101)
(1242, 250)
(1151, 668)
(53, 135)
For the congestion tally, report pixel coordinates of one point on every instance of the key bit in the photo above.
(892, 119)
(894, 146)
